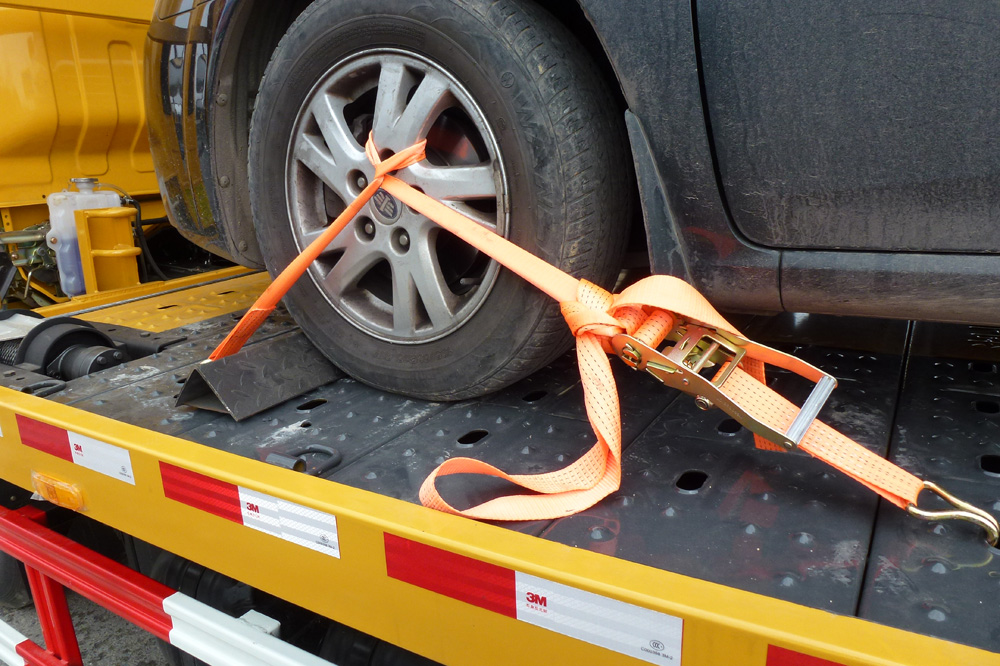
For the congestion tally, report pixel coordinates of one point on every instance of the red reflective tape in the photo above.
(463, 578)
(44, 437)
(202, 492)
(778, 656)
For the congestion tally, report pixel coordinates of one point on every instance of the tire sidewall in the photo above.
(463, 42)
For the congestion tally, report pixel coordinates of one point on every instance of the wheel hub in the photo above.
(393, 273)
(387, 210)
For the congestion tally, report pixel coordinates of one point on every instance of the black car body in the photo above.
(828, 157)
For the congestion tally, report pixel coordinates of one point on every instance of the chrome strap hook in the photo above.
(962, 511)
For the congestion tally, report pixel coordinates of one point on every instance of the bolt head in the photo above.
(404, 240)
(703, 403)
(369, 228)
(362, 182)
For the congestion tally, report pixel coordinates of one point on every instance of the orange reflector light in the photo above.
(60, 493)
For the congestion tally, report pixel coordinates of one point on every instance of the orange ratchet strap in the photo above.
(632, 325)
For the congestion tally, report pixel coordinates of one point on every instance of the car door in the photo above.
(856, 125)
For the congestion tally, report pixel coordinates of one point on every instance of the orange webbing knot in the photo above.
(404, 158)
(589, 313)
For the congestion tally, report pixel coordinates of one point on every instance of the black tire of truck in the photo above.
(14, 591)
(564, 192)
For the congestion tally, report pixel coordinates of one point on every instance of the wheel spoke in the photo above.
(405, 302)
(430, 98)
(344, 149)
(352, 266)
(453, 182)
(341, 241)
(438, 300)
(394, 82)
(310, 151)
(488, 220)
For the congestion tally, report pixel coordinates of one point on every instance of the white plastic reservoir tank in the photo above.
(62, 236)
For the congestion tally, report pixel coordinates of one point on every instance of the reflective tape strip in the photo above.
(221, 640)
(101, 457)
(44, 437)
(286, 520)
(616, 625)
(290, 521)
(463, 578)
(622, 627)
(201, 492)
(778, 656)
(10, 638)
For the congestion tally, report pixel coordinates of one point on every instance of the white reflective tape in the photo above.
(10, 638)
(616, 625)
(290, 521)
(221, 640)
(102, 457)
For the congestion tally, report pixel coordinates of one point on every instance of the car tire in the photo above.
(527, 103)
(14, 591)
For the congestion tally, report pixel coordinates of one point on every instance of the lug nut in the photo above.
(404, 240)
(369, 228)
(362, 182)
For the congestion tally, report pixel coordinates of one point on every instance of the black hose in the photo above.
(141, 238)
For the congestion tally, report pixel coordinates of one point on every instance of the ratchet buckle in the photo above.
(696, 349)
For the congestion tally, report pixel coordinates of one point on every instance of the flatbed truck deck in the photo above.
(712, 552)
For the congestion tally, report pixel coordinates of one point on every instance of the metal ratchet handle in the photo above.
(679, 368)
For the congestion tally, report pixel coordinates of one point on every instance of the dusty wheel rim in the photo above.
(392, 272)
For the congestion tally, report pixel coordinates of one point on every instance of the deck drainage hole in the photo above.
(535, 396)
(729, 427)
(691, 481)
(982, 366)
(987, 406)
(305, 424)
(167, 307)
(311, 404)
(990, 464)
(472, 437)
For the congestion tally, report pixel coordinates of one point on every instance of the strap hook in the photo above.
(962, 511)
